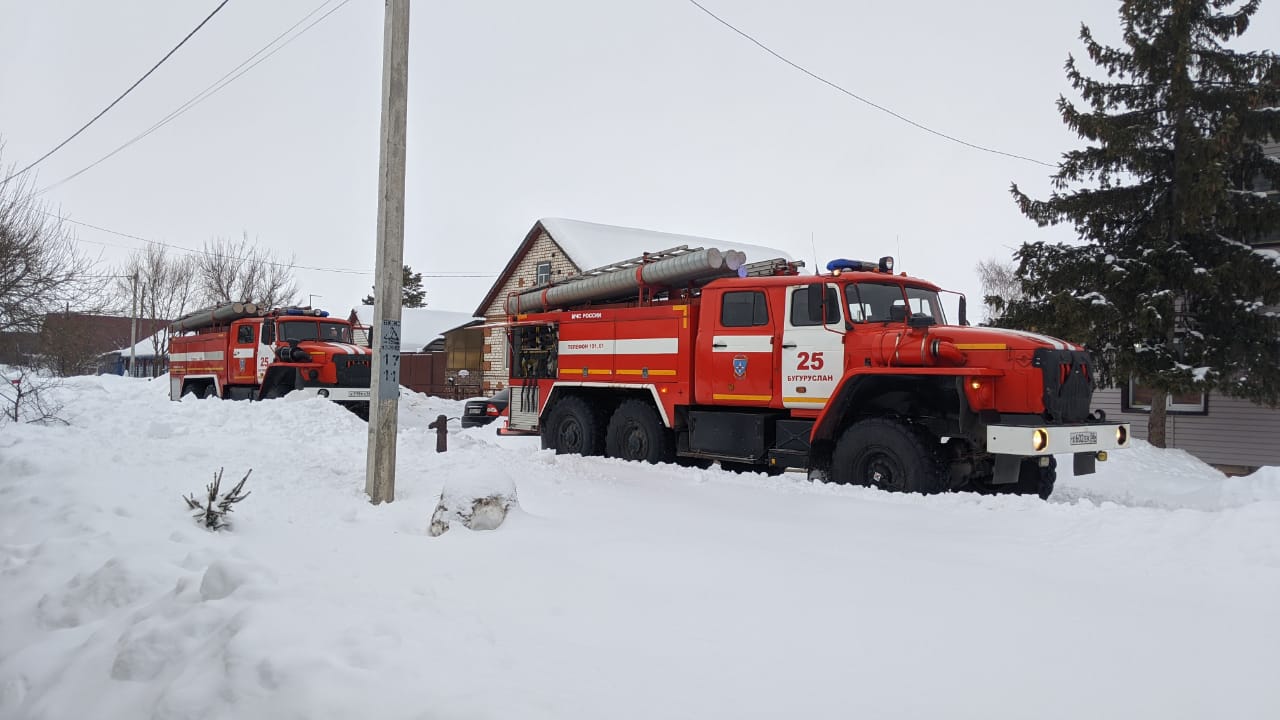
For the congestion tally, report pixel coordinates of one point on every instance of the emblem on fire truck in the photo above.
(739, 366)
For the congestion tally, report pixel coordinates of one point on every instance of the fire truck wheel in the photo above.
(572, 428)
(888, 455)
(637, 433)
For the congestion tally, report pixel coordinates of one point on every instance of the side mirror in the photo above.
(964, 311)
(814, 296)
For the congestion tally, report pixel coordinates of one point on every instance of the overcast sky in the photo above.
(643, 113)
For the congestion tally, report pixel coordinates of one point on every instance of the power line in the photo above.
(122, 95)
(863, 100)
(229, 77)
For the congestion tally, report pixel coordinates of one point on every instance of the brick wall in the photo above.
(543, 250)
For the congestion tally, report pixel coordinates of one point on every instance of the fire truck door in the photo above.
(812, 358)
(742, 347)
(244, 346)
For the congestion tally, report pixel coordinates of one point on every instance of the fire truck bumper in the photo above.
(337, 394)
(1027, 441)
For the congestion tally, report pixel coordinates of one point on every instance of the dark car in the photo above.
(483, 411)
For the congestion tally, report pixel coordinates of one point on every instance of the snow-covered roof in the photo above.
(591, 245)
(146, 347)
(419, 326)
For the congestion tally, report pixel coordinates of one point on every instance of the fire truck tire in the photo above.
(573, 428)
(637, 433)
(886, 454)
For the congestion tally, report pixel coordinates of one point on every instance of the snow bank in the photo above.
(1146, 476)
(623, 591)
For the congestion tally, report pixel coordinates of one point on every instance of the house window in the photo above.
(1136, 398)
(543, 274)
(744, 309)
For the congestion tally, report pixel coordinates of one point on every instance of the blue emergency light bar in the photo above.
(843, 265)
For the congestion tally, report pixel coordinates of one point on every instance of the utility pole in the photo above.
(384, 400)
(133, 325)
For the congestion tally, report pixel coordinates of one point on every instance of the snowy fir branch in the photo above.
(212, 513)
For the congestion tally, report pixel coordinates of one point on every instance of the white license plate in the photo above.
(1084, 437)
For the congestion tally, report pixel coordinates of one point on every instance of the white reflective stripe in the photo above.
(648, 346)
(241, 352)
(347, 349)
(196, 356)
(1055, 343)
(586, 347)
(625, 346)
(742, 343)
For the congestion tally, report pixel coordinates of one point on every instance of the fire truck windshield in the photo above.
(314, 330)
(889, 302)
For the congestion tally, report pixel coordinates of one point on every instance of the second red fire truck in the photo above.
(695, 356)
(240, 352)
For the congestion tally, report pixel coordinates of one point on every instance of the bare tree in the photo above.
(28, 396)
(238, 270)
(1000, 286)
(41, 268)
(165, 287)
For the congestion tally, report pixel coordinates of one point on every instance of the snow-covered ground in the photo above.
(617, 590)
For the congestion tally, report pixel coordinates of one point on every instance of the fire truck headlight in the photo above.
(322, 393)
(1039, 439)
(1122, 435)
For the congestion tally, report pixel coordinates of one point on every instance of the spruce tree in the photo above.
(412, 295)
(1168, 197)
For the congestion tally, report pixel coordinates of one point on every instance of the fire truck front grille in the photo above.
(353, 370)
(1068, 384)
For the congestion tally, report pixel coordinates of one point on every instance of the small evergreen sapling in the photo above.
(213, 512)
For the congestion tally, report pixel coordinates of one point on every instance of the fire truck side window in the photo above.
(744, 309)
(245, 334)
(800, 307)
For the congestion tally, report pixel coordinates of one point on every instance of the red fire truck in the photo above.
(238, 351)
(694, 356)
